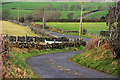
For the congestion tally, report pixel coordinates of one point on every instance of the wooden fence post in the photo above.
(99, 43)
(25, 38)
(33, 39)
(69, 41)
(54, 40)
(1, 36)
(16, 38)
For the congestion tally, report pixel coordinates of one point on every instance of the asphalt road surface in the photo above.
(57, 65)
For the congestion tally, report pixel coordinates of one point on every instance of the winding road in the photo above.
(89, 13)
(57, 65)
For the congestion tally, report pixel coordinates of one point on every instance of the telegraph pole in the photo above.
(43, 19)
(18, 14)
(43, 22)
(80, 29)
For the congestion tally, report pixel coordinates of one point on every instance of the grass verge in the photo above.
(100, 59)
(18, 58)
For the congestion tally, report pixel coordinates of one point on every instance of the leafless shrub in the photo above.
(92, 44)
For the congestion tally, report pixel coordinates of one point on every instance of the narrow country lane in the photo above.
(57, 65)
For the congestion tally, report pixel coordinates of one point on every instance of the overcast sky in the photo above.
(59, 0)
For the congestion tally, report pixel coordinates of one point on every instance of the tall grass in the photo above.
(92, 44)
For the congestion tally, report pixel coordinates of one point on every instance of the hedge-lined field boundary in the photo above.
(70, 20)
(84, 31)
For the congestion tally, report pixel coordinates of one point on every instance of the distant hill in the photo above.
(5, 2)
(60, 0)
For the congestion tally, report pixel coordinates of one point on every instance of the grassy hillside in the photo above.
(16, 30)
(92, 27)
(33, 5)
(100, 59)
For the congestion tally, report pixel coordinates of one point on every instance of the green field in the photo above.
(92, 27)
(16, 30)
(33, 5)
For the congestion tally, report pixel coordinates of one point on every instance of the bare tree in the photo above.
(75, 8)
(108, 6)
(70, 15)
(45, 13)
(63, 7)
(5, 13)
(113, 23)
